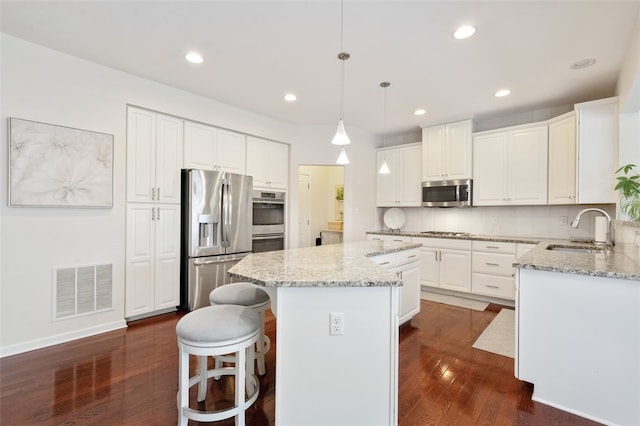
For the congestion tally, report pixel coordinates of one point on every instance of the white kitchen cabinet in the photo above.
(402, 187)
(209, 148)
(492, 269)
(562, 159)
(510, 166)
(268, 163)
(445, 263)
(597, 145)
(446, 151)
(406, 266)
(152, 259)
(154, 156)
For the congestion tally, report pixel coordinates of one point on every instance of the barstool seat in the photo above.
(214, 331)
(251, 296)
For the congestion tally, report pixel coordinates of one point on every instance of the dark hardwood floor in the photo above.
(129, 377)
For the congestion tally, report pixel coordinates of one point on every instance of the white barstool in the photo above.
(213, 331)
(250, 296)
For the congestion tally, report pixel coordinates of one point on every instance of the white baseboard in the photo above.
(569, 410)
(473, 296)
(61, 338)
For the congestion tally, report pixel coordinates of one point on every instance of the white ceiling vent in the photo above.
(81, 290)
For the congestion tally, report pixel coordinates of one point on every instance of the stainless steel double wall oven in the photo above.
(268, 229)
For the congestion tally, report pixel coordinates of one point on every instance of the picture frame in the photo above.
(58, 166)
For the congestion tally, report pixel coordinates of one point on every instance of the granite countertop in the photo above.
(623, 261)
(334, 265)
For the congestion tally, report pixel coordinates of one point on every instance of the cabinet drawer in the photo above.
(407, 256)
(491, 285)
(493, 263)
(385, 260)
(443, 243)
(494, 247)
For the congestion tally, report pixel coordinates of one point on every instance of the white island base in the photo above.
(336, 380)
(579, 343)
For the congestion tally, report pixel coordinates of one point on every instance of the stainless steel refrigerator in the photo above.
(216, 231)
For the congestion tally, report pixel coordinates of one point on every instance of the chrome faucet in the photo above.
(576, 222)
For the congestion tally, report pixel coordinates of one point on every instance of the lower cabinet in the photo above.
(445, 263)
(152, 258)
(405, 264)
(492, 269)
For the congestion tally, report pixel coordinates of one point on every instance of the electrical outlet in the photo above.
(336, 324)
(564, 220)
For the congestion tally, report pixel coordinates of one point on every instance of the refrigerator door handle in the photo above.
(211, 262)
(225, 214)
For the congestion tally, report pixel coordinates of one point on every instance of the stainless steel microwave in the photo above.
(447, 193)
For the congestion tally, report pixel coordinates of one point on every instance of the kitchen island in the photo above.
(325, 375)
(578, 330)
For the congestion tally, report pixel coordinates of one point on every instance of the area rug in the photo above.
(453, 300)
(499, 336)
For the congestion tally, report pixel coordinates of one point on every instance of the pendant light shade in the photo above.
(342, 158)
(341, 137)
(384, 168)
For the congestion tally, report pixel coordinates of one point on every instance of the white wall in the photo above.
(44, 85)
(628, 86)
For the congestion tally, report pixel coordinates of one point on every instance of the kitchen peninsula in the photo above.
(578, 329)
(321, 377)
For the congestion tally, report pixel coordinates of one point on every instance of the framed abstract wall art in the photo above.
(56, 166)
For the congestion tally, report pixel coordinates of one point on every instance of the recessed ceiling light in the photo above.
(419, 112)
(194, 58)
(290, 97)
(583, 63)
(502, 93)
(463, 32)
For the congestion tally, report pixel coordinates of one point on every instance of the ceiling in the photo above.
(257, 51)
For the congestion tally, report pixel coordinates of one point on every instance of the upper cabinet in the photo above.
(446, 151)
(510, 166)
(210, 148)
(154, 156)
(597, 146)
(402, 186)
(562, 159)
(268, 163)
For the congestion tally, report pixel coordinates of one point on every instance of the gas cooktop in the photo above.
(446, 233)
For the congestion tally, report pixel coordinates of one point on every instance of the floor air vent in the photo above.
(82, 290)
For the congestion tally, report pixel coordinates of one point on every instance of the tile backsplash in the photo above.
(521, 221)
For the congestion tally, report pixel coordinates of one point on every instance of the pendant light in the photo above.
(384, 168)
(342, 158)
(341, 137)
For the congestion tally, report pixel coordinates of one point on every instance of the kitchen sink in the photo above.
(570, 249)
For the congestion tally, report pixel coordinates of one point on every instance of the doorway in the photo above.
(320, 204)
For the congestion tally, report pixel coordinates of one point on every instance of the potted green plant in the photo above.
(629, 184)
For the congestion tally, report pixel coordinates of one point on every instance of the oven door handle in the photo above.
(268, 202)
(267, 237)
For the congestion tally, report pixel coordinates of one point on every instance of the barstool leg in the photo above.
(241, 374)
(183, 386)
(260, 348)
(202, 370)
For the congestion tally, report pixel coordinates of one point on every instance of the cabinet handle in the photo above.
(399, 241)
(383, 263)
(153, 213)
(158, 214)
(492, 286)
(153, 193)
(492, 247)
(412, 256)
(158, 193)
(491, 264)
